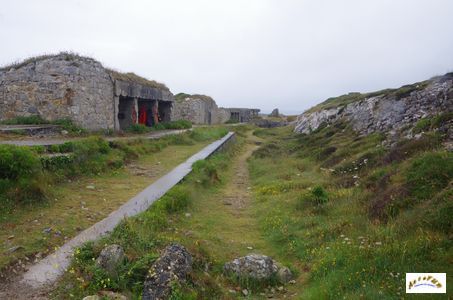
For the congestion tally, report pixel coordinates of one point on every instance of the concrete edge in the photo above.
(49, 269)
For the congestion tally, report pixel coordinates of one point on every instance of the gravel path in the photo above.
(58, 141)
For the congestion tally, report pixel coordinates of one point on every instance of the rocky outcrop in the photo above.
(173, 266)
(389, 111)
(258, 267)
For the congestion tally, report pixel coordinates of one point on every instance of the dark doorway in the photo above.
(235, 117)
(165, 111)
(126, 112)
(145, 112)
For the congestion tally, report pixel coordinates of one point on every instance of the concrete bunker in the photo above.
(69, 86)
(136, 103)
(243, 115)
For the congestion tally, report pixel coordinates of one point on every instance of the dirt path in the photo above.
(225, 220)
(47, 141)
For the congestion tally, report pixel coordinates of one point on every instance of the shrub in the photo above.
(17, 162)
(68, 125)
(179, 124)
(21, 177)
(138, 128)
(176, 199)
(429, 174)
(317, 196)
(30, 120)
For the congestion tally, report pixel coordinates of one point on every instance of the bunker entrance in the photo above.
(235, 117)
(126, 112)
(165, 111)
(147, 112)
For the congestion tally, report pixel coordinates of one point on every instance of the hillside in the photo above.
(399, 112)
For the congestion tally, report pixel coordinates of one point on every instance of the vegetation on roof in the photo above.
(134, 78)
(183, 96)
(71, 56)
(346, 99)
(68, 56)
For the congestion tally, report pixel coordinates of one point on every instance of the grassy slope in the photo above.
(346, 99)
(374, 228)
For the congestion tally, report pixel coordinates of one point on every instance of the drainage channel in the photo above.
(50, 268)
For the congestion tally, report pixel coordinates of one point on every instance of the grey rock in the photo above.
(172, 266)
(284, 275)
(14, 249)
(254, 266)
(92, 297)
(110, 258)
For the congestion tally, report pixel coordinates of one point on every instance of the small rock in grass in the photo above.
(47, 230)
(245, 292)
(90, 187)
(14, 249)
(92, 297)
(110, 258)
(284, 275)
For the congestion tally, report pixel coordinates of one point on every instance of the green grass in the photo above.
(144, 235)
(46, 189)
(386, 214)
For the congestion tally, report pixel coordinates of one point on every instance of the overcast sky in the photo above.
(289, 54)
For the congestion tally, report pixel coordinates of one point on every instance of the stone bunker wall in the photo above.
(199, 111)
(61, 86)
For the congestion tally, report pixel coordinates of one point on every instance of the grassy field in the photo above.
(349, 217)
(355, 215)
(75, 199)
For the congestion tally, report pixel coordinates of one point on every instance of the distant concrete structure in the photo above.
(275, 113)
(69, 86)
(243, 115)
(198, 109)
(202, 109)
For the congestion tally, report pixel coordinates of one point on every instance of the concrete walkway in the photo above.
(59, 141)
(50, 268)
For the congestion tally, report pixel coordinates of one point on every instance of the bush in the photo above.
(17, 162)
(21, 177)
(180, 124)
(30, 120)
(68, 125)
(176, 200)
(138, 128)
(317, 196)
(429, 174)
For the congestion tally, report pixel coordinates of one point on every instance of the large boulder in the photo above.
(259, 267)
(110, 258)
(173, 266)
